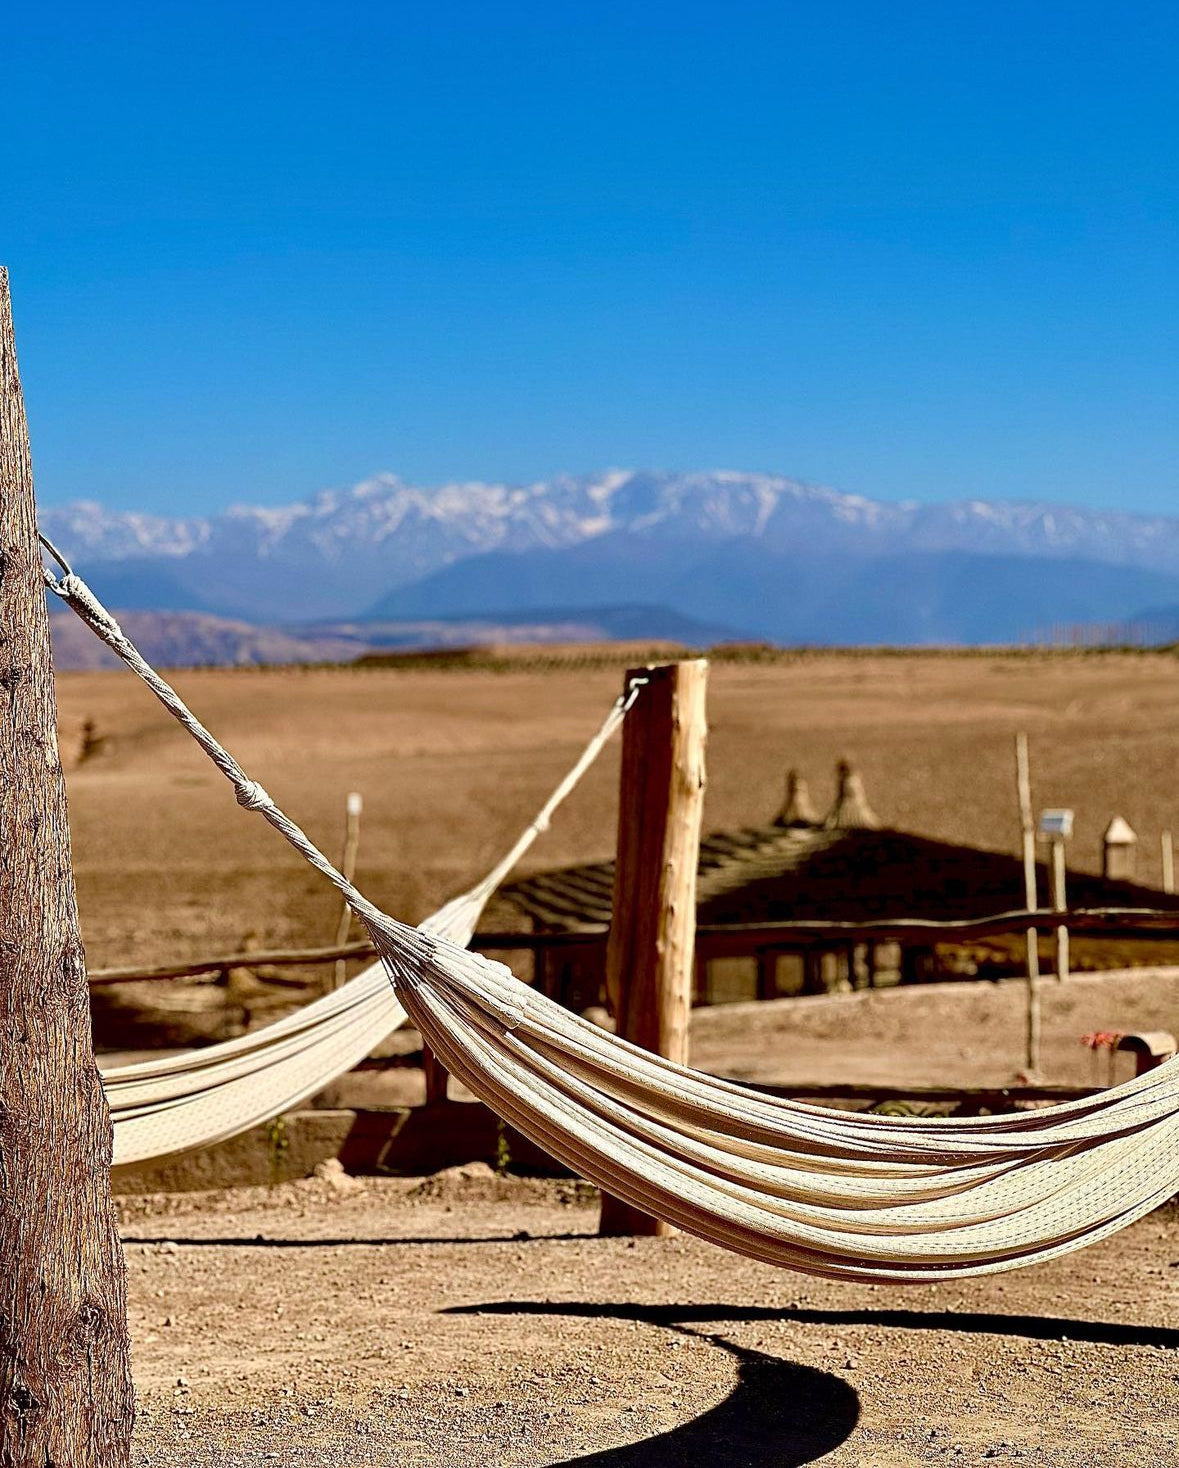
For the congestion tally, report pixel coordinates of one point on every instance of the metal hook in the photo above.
(50, 578)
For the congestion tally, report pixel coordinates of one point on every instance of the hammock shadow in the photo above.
(779, 1414)
(271, 1241)
(1026, 1327)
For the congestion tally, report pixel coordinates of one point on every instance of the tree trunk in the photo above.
(65, 1378)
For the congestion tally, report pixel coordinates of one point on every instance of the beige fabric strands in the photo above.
(161, 1107)
(833, 1193)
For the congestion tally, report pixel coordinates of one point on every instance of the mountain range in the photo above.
(749, 555)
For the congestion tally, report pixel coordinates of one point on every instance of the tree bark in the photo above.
(65, 1377)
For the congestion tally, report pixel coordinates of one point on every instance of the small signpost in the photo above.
(353, 807)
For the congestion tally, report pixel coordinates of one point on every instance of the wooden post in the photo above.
(1060, 904)
(766, 970)
(1119, 851)
(1023, 785)
(1168, 845)
(352, 809)
(65, 1377)
(649, 955)
(437, 1076)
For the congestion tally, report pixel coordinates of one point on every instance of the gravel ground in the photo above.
(471, 1320)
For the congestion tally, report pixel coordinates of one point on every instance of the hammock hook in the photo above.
(50, 579)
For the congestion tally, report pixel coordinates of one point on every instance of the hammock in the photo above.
(162, 1107)
(843, 1195)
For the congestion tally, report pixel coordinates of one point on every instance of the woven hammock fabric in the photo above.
(162, 1107)
(838, 1194)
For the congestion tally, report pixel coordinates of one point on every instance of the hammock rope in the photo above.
(846, 1195)
(162, 1107)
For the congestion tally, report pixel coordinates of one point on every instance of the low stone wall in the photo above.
(402, 1140)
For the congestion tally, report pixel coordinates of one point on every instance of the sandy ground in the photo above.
(476, 1321)
(956, 1034)
(453, 764)
(473, 1321)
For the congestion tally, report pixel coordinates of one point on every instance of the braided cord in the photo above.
(250, 794)
(71, 589)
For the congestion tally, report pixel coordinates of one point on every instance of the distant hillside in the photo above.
(822, 598)
(540, 624)
(190, 640)
(146, 586)
(764, 553)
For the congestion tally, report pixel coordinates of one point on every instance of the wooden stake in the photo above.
(1060, 904)
(353, 807)
(1168, 862)
(437, 1076)
(65, 1377)
(1023, 784)
(651, 948)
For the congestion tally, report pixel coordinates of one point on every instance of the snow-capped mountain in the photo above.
(345, 550)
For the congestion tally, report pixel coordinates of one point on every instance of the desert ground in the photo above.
(452, 764)
(477, 1320)
(471, 1321)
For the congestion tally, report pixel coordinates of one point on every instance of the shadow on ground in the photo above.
(276, 1241)
(778, 1415)
(1026, 1327)
(781, 1414)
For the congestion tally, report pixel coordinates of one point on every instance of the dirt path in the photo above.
(475, 1321)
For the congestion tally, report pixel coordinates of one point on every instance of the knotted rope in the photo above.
(253, 796)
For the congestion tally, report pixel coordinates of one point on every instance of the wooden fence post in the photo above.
(353, 807)
(1023, 785)
(65, 1377)
(437, 1076)
(1060, 904)
(651, 947)
(1168, 847)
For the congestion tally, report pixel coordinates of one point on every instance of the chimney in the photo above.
(797, 808)
(1119, 848)
(851, 810)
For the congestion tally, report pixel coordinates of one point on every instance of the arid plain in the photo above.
(478, 1320)
(452, 764)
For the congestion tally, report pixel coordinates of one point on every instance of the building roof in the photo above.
(789, 873)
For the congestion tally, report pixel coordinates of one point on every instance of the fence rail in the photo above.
(193, 968)
(1137, 922)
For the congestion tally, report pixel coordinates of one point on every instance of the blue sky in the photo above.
(925, 250)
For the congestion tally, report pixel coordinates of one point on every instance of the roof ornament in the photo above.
(1118, 850)
(851, 810)
(798, 808)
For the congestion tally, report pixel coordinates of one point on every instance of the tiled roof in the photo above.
(782, 874)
